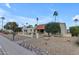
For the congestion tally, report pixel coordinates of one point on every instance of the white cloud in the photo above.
(76, 17)
(8, 5)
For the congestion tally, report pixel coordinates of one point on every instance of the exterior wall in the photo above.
(26, 30)
(30, 30)
(63, 29)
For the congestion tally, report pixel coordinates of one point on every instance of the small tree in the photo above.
(18, 29)
(53, 28)
(11, 26)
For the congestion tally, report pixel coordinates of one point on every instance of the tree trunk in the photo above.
(13, 35)
(55, 18)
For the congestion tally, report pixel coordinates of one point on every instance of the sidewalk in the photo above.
(11, 48)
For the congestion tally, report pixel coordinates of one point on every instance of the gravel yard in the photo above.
(48, 45)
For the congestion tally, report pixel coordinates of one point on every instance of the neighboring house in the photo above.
(40, 28)
(30, 30)
(27, 30)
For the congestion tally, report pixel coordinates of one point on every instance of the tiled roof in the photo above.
(40, 27)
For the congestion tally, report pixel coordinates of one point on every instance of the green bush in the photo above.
(53, 28)
(11, 26)
(74, 30)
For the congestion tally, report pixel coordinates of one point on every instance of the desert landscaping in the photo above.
(48, 45)
(39, 31)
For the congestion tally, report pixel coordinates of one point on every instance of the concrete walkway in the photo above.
(8, 47)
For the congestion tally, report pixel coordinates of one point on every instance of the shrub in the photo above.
(53, 28)
(74, 30)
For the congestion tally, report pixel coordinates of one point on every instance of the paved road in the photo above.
(11, 48)
(1, 51)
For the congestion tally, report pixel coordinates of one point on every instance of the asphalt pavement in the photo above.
(8, 47)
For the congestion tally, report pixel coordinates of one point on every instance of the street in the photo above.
(8, 47)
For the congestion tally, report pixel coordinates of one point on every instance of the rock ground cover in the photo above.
(48, 45)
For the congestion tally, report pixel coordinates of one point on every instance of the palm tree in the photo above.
(3, 18)
(36, 30)
(76, 20)
(26, 23)
(55, 14)
(37, 20)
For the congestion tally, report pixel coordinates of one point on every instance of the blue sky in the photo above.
(23, 12)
